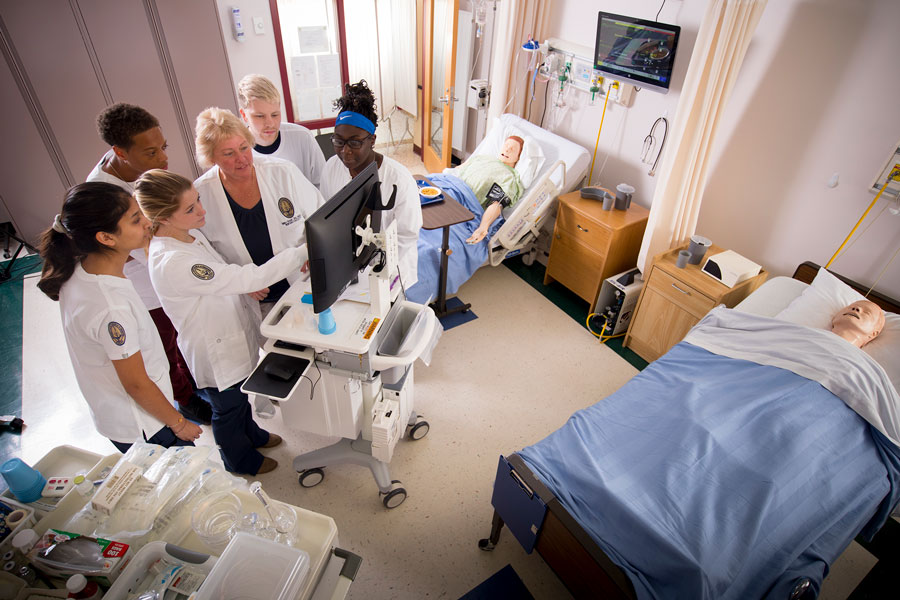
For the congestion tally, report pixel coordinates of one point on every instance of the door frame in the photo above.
(433, 162)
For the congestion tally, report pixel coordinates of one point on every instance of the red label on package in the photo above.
(115, 550)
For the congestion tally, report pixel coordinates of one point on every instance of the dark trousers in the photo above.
(182, 383)
(165, 437)
(234, 429)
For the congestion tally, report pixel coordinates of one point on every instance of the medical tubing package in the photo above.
(158, 503)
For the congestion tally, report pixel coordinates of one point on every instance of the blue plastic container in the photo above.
(25, 482)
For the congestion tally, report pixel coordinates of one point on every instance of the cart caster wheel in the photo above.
(311, 477)
(393, 498)
(486, 545)
(419, 430)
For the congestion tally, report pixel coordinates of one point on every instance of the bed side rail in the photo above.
(524, 224)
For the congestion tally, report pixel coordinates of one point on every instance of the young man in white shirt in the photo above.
(137, 144)
(260, 104)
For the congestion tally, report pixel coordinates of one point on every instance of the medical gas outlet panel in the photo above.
(571, 64)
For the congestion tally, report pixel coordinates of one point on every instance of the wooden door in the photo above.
(440, 73)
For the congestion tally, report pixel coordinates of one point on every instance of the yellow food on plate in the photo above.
(429, 192)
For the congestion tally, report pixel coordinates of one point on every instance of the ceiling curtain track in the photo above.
(515, 21)
(722, 42)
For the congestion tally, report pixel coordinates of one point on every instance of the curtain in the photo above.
(515, 21)
(722, 42)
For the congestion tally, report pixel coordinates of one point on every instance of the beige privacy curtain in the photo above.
(515, 21)
(721, 44)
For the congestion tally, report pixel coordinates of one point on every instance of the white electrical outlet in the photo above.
(259, 25)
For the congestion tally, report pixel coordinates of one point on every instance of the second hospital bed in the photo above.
(559, 168)
(709, 476)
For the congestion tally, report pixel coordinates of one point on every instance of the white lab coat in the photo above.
(206, 298)
(104, 320)
(288, 199)
(407, 210)
(299, 146)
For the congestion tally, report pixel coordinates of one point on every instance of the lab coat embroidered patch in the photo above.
(116, 332)
(286, 207)
(202, 272)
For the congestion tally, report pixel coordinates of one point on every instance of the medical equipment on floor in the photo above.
(615, 302)
(357, 382)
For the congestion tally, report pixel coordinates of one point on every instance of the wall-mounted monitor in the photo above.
(636, 51)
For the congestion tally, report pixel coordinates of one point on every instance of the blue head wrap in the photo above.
(348, 117)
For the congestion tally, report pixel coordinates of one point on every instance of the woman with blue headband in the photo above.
(354, 144)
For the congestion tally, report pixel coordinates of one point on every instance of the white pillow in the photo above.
(818, 303)
(826, 295)
(530, 160)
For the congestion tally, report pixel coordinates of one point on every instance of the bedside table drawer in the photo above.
(575, 265)
(581, 228)
(680, 293)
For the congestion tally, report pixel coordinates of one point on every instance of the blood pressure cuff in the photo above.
(496, 194)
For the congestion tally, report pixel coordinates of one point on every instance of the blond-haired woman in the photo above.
(260, 103)
(207, 298)
(257, 205)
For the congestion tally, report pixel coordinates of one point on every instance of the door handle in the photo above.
(681, 290)
(581, 228)
(448, 97)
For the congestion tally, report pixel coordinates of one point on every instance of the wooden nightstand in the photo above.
(590, 244)
(673, 300)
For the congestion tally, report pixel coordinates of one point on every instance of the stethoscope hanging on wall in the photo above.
(650, 142)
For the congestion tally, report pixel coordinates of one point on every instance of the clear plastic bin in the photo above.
(254, 568)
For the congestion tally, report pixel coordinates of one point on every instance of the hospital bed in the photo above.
(560, 169)
(707, 476)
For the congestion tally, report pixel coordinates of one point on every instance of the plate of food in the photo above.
(429, 194)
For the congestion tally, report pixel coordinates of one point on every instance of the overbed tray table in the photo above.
(439, 215)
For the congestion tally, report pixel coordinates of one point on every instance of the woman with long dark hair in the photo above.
(116, 352)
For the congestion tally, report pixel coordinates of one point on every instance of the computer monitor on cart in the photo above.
(332, 240)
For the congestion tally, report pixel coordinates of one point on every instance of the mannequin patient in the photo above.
(858, 323)
(481, 172)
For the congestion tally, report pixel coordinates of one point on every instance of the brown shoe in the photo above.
(268, 465)
(274, 440)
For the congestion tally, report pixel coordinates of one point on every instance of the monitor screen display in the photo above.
(332, 240)
(638, 51)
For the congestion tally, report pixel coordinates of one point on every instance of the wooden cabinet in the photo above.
(673, 300)
(590, 244)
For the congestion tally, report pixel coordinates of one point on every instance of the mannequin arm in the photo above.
(490, 215)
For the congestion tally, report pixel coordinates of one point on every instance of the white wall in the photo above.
(817, 94)
(257, 53)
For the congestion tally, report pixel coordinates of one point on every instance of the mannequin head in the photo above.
(511, 150)
(858, 323)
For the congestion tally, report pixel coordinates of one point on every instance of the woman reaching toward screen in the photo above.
(117, 355)
(209, 302)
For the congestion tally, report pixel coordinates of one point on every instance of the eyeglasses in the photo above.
(354, 144)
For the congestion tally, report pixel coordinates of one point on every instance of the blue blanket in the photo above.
(713, 477)
(466, 258)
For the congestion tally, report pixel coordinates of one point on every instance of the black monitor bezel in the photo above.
(331, 244)
(635, 79)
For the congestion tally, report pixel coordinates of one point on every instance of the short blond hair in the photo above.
(158, 193)
(256, 87)
(214, 125)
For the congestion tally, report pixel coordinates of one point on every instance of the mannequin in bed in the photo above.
(481, 172)
(858, 323)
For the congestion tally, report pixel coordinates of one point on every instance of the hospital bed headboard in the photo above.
(554, 147)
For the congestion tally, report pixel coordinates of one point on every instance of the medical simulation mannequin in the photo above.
(217, 321)
(472, 172)
(858, 323)
(354, 144)
(137, 144)
(116, 352)
(260, 108)
(257, 207)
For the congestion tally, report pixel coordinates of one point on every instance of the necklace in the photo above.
(115, 170)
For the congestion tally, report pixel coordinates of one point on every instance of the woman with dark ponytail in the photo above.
(116, 352)
(354, 145)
